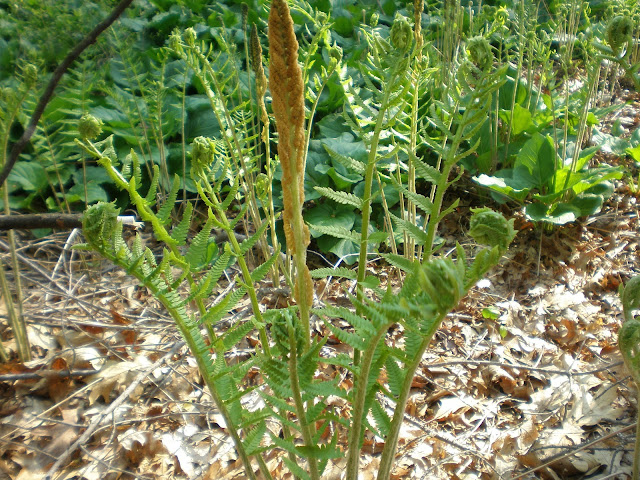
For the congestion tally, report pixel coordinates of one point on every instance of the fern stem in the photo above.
(368, 182)
(205, 365)
(246, 274)
(391, 442)
(305, 427)
(357, 416)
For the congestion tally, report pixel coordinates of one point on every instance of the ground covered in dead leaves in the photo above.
(524, 380)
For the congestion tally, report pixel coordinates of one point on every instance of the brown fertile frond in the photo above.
(287, 94)
(418, 7)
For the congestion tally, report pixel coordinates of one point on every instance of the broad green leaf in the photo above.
(560, 214)
(95, 193)
(505, 186)
(30, 176)
(537, 160)
(522, 119)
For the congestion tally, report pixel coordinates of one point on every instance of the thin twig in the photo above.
(56, 76)
(522, 367)
(573, 451)
(108, 411)
(12, 377)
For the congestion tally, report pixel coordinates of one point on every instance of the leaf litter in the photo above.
(494, 398)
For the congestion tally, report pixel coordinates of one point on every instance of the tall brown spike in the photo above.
(287, 94)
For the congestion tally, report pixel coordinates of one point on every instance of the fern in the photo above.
(181, 230)
(254, 437)
(164, 212)
(248, 244)
(334, 272)
(343, 198)
(197, 253)
(347, 162)
(337, 232)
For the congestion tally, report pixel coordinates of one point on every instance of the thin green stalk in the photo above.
(246, 273)
(357, 416)
(306, 429)
(391, 441)
(14, 311)
(521, 48)
(14, 314)
(368, 181)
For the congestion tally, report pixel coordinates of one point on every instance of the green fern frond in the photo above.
(278, 404)
(231, 195)
(343, 198)
(435, 120)
(399, 261)
(308, 364)
(181, 230)
(150, 198)
(465, 153)
(449, 209)
(276, 375)
(137, 248)
(253, 438)
(235, 335)
(315, 411)
(259, 273)
(346, 161)
(370, 311)
(248, 243)
(164, 212)
(326, 389)
(362, 326)
(395, 376)
(215, 313)
(241, 215)
(251, 418)
(424, 203)
(320, 452)
(434, 145)
(337, 232)
(340, 272)
(294, 468)
(349, 338)
(342, 361)
(415, 232)
(383, 422)
(196, 255)
(362, 105)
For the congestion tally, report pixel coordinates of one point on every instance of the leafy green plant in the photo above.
(563, 191)
(544, 166)
(290, 352)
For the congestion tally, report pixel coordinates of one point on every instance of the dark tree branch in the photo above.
(53, 83)
(65, 221)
